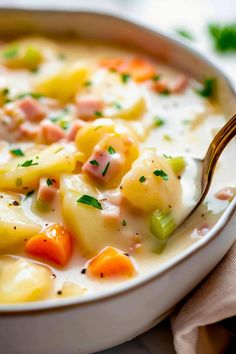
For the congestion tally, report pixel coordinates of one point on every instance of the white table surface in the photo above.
(193, 15)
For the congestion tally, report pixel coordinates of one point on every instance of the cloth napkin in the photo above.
(212, 301)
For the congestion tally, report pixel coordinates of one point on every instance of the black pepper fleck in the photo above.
(83, 271)
(15, 202)
(59, 292)
(14, 227)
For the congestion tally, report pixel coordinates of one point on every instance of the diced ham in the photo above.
(32, 109)
(73, 130)
(179, 84)
(51, 132)
(88, 106)
(225, 194)
(29, 130)
(47, 191)
(102, 166)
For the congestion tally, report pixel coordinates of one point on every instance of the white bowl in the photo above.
(93, 323)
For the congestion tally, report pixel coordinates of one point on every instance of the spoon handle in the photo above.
(218, 144)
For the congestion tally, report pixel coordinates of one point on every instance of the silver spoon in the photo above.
(209, 162)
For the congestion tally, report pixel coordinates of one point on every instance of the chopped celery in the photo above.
(42, 206)
(161, 224)
(32, 57)
(177, 164)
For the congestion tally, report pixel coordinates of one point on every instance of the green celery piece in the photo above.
(161, 225)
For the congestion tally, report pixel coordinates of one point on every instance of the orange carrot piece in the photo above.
(53, 244)
(140, 69)
(111, 262)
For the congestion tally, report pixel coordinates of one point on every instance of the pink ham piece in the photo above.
(179, 85)
(225, 194)
(29, 130)
(51, 132)
(73, 130)
(47, 191)
(32, 109)
(88, 107)
(102, 166)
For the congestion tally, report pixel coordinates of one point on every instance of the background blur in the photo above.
(169, 15)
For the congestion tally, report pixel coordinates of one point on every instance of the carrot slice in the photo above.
(140, 69)
(53, 244)
(111, 262)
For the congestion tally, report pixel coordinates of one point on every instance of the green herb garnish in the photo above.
(142, 179)
(105, 169)
(125, 78)
(184, 33)
(156, 78)
(158, 121)
(17, 152)
(124, 223)
(87, 83)
(94, 162)
(162, 174)
(35, 95)
(87, 199)
(117, 105)
(29, 194)
(11, 52)
(111, 150)
(61, 56)
(98, 114)
(208, 88)
(28, 163)
(49, 182)
(165, 92)
(223, 36)
(5, 91)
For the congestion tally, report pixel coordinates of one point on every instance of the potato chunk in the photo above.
(89, 225)
(22, 280)
(64, 84)
(148, 191)
(26, 171)
(15, 225)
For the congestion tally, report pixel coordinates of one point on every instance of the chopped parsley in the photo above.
(165, 92)
(35, 95)
(19, 182)
(28, 163)
(158, 121)
(117, 105)
(98, 114)
(156, 78)
(11, 52)
(167, 156)
(184, 33)
(162, 174)
(125, 78)
(87, 83)
(223, 36)
(17, 152)
(29, 194)
(87, 199)
(94, 162)
(142, 179)
(61, 56)
(105, 169)
(5, 91)
(124, 223)
(111, 150)
(49, 182)
(208, 87)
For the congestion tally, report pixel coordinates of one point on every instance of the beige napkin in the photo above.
(212, 301)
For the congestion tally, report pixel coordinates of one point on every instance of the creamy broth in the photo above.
(107, 189)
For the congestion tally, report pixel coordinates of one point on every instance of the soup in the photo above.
(97, 168)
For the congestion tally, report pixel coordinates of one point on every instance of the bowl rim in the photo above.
(50, 305)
